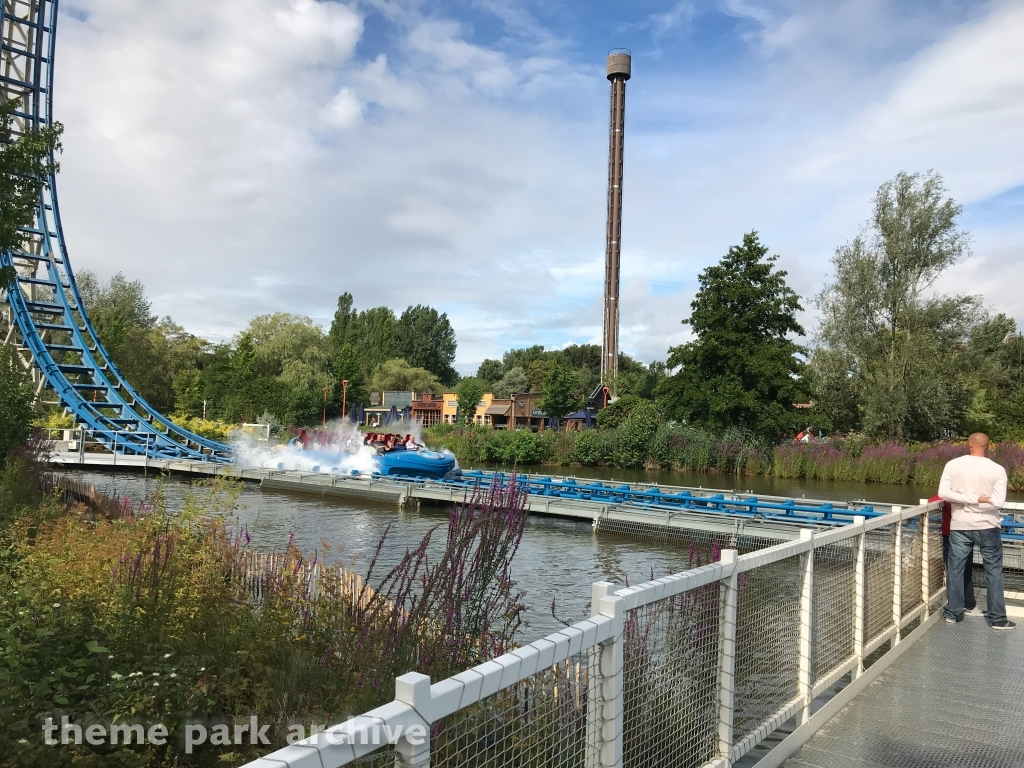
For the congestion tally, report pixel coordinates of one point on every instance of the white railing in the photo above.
(693, 669)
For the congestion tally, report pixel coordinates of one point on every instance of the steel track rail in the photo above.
(50, 323)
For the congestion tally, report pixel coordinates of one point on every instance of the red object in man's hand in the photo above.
(947, 514)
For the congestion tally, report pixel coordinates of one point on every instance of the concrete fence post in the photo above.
(804, 667)
(728, 601)
(858, 597)
(897, 579)
(413, 750)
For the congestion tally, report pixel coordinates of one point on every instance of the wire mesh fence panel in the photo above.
(670, 680)
(688, 539)
(936, 559)
(382, 758)
(767, 642)
(912, 564)
(832, 620)
(878, 572)
(1013, 567)
(544, 721)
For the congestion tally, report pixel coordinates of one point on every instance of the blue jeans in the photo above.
(969, 599)
(989, 541)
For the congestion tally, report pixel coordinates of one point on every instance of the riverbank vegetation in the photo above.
(644, 444)
(118, 611)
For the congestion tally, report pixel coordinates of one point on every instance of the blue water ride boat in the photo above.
(427, 464)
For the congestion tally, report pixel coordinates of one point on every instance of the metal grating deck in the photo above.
(955, 699)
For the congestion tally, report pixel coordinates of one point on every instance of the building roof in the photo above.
(498, 409)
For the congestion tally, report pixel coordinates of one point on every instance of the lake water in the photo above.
(558, 559)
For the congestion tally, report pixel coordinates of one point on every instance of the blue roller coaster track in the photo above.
(46, 320)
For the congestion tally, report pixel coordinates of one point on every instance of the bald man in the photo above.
(975, 486)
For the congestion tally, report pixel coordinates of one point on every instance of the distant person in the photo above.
(975, 486)
(970, 601)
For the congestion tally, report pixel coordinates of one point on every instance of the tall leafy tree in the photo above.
(25, 162)
(188, 392)
(376, 338)
(346, 367)
(344, 326)
(516, 380)
(887, 352)
(425, 338)
(490, 372)
(398, 376)
(743, 368)
(148, 352)
(15, 402)
(562, 393)
(469, 392)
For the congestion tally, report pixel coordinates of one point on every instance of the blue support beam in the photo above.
(45, 300)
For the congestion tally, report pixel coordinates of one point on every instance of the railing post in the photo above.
(925, 566)
(607, 750)
(595, 689)
(728, 601)
(897, 579)
(413, 689)
(858, 597)
(806, 626)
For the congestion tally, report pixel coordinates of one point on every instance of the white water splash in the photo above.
(345, 456)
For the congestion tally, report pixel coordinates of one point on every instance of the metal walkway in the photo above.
(955, 699)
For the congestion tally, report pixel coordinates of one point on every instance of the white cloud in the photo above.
(249, 157)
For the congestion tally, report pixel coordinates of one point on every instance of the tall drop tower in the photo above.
(619, 61)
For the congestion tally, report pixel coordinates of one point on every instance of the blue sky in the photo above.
(257, 156)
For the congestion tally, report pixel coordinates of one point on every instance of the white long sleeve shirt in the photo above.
(965, 479)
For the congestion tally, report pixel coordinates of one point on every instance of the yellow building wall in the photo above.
(450, 406)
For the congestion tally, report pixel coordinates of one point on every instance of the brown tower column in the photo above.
(618, 73)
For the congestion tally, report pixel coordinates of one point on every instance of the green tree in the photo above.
(539, 371)
(425, 338)
(514, 381)
(469, 393)
(376, 338)
(147, 351)
(612, 416)
(243, 361)
(742, 369)
(490, 372)
(522, 357)
(344, 326)
(398, 376)
(887, 349)
(188, 392)
(346, 367)
(15, 402)
(562, 394)
(25, 162)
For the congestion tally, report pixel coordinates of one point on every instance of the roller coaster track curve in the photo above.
(45, 319)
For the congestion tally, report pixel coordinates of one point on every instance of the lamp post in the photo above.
(325, 406)
(344, 397)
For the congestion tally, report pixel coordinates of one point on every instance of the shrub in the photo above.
(143, 615)
(15, 402)
(636, 435)
(514, 447)
(612, 416)
(587, 449)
